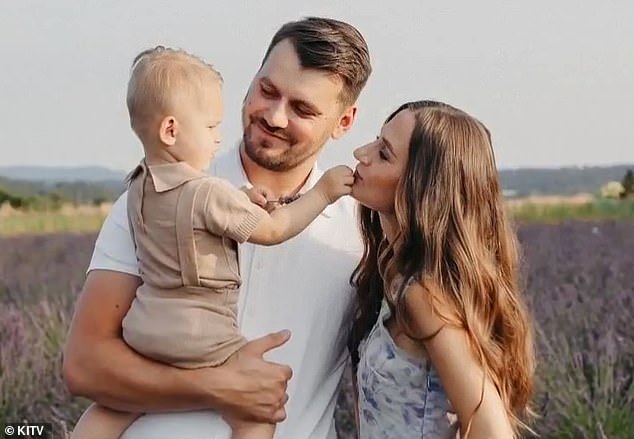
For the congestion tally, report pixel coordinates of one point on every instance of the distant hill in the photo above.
(61, 174)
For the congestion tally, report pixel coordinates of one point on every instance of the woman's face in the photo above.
(382, 163)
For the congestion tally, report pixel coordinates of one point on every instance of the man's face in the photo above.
(290, 112)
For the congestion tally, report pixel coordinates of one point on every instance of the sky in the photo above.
(551, 80)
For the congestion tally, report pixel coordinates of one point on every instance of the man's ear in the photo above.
(345, 122)
(168, 130)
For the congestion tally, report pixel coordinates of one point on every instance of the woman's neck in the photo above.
(389, 226)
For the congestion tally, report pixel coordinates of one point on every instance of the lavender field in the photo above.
(579, 279)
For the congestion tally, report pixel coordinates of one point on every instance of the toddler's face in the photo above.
(199, 127)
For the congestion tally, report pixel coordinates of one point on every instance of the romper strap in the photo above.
(185, 232)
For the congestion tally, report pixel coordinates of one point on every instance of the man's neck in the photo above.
(280, 184)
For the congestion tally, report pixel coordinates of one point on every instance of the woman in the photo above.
(441, 342)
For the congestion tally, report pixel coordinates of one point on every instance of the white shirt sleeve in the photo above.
(114, 248)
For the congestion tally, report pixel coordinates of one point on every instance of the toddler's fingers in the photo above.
(348, 180)
(257, 197)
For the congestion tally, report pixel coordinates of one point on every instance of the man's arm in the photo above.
(98, 364)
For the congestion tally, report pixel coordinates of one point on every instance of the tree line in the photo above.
(43, 195)
(30, 195)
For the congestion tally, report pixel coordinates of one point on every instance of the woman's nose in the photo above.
(361, 154)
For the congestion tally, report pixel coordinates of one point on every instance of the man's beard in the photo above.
(284, 161)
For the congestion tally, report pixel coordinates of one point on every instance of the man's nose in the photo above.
(276, 117)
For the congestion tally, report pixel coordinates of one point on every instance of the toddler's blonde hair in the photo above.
(162, 76)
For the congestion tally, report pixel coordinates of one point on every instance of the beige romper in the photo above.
(186, 227)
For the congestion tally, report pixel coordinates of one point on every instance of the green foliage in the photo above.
(594, 390)
(35, 194)
(98, 201)
(599, 209)
(628, 184)
(49, 202)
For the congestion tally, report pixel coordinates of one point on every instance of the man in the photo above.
(304, 94)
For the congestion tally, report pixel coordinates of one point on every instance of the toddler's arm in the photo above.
(287, 221)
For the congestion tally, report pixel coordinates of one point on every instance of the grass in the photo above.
(88, 220)
(47, 222)
(67, 218)
(596, 210)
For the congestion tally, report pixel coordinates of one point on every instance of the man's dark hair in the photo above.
(332, 46)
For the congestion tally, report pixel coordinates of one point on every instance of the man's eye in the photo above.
(303, 111)
(382, 154)
(266, 91)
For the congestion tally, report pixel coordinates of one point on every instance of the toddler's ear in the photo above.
(168, 130)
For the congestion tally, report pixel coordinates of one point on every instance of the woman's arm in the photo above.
(459, 370)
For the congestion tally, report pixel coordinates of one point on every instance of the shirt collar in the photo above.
(168, 176)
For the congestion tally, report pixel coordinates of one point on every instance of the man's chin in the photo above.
(266, 157)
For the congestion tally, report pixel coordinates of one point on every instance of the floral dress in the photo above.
(400, 396)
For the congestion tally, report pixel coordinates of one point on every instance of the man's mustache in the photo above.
(274, 131)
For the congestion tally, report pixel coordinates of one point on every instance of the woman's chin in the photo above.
(355, 192)
(358, 197)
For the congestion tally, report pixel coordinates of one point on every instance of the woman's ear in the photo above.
(345, 122)
(168, 130)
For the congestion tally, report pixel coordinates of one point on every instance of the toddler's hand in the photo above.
(256, 195)
(259, 196)
(335, 183)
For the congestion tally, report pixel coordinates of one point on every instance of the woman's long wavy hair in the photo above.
(455, 239)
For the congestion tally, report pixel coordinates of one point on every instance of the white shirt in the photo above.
(301, 285)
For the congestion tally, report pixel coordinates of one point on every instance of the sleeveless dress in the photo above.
(400, 396)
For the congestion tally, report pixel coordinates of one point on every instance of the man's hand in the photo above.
(99, 365)
(335, 183)
(256, 389)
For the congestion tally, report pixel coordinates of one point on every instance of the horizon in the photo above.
(500, 169)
